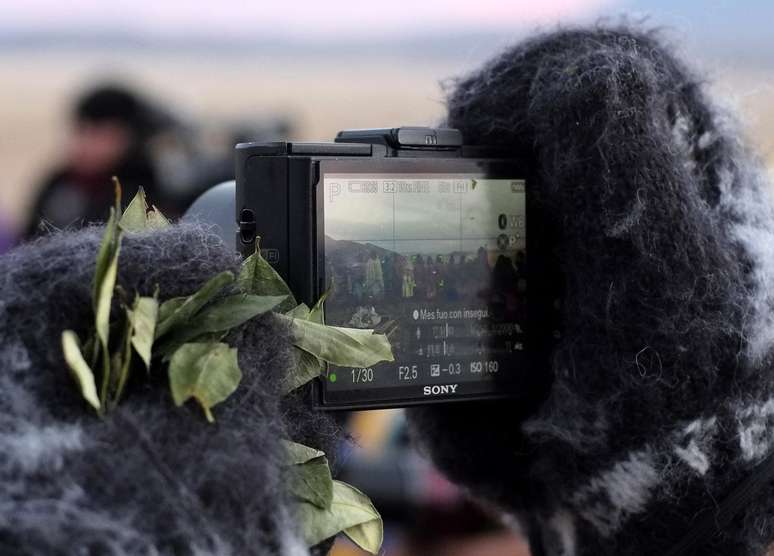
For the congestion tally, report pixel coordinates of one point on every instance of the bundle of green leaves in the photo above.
(187, 335)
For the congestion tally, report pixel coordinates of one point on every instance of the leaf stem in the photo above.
(103, 391)
(125, 363)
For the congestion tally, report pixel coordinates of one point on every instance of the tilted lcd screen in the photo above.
(438, 259)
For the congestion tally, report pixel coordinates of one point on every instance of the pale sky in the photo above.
(728, 28)
(259, 19)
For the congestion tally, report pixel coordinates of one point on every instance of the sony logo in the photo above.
(440, 389)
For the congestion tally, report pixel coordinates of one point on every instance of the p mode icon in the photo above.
(334, 190)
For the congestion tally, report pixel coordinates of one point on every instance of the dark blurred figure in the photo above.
(521, 264)
(110, 130)
(205, 156)
(504, 275)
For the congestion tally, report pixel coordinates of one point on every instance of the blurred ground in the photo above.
(748, 92)
(322, 97)
(321, 94)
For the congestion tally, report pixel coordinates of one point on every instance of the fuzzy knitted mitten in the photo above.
(149, 478)
(662, 397)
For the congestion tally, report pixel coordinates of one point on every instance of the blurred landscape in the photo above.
(317, 84)
(320, 96)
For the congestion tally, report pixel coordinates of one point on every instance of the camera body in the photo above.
(411, 231)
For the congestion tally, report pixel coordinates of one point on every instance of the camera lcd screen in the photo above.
(439, 261)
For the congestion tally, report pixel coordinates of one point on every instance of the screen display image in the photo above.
(437, 260)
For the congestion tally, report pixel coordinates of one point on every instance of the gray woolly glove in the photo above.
(149, 478)
(663, 392)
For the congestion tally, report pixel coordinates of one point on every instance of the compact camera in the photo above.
(411, 231)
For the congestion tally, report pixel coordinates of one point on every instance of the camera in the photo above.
(415, 234)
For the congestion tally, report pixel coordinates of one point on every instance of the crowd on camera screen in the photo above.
(373, 276)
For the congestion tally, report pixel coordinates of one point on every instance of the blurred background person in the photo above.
(115, 130)
(109, 135)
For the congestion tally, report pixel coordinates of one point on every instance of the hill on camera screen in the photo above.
(440, 260)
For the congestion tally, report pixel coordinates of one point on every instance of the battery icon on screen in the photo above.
(363, 187)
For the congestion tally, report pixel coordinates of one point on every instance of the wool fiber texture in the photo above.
(149, 478)
(663, 392)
